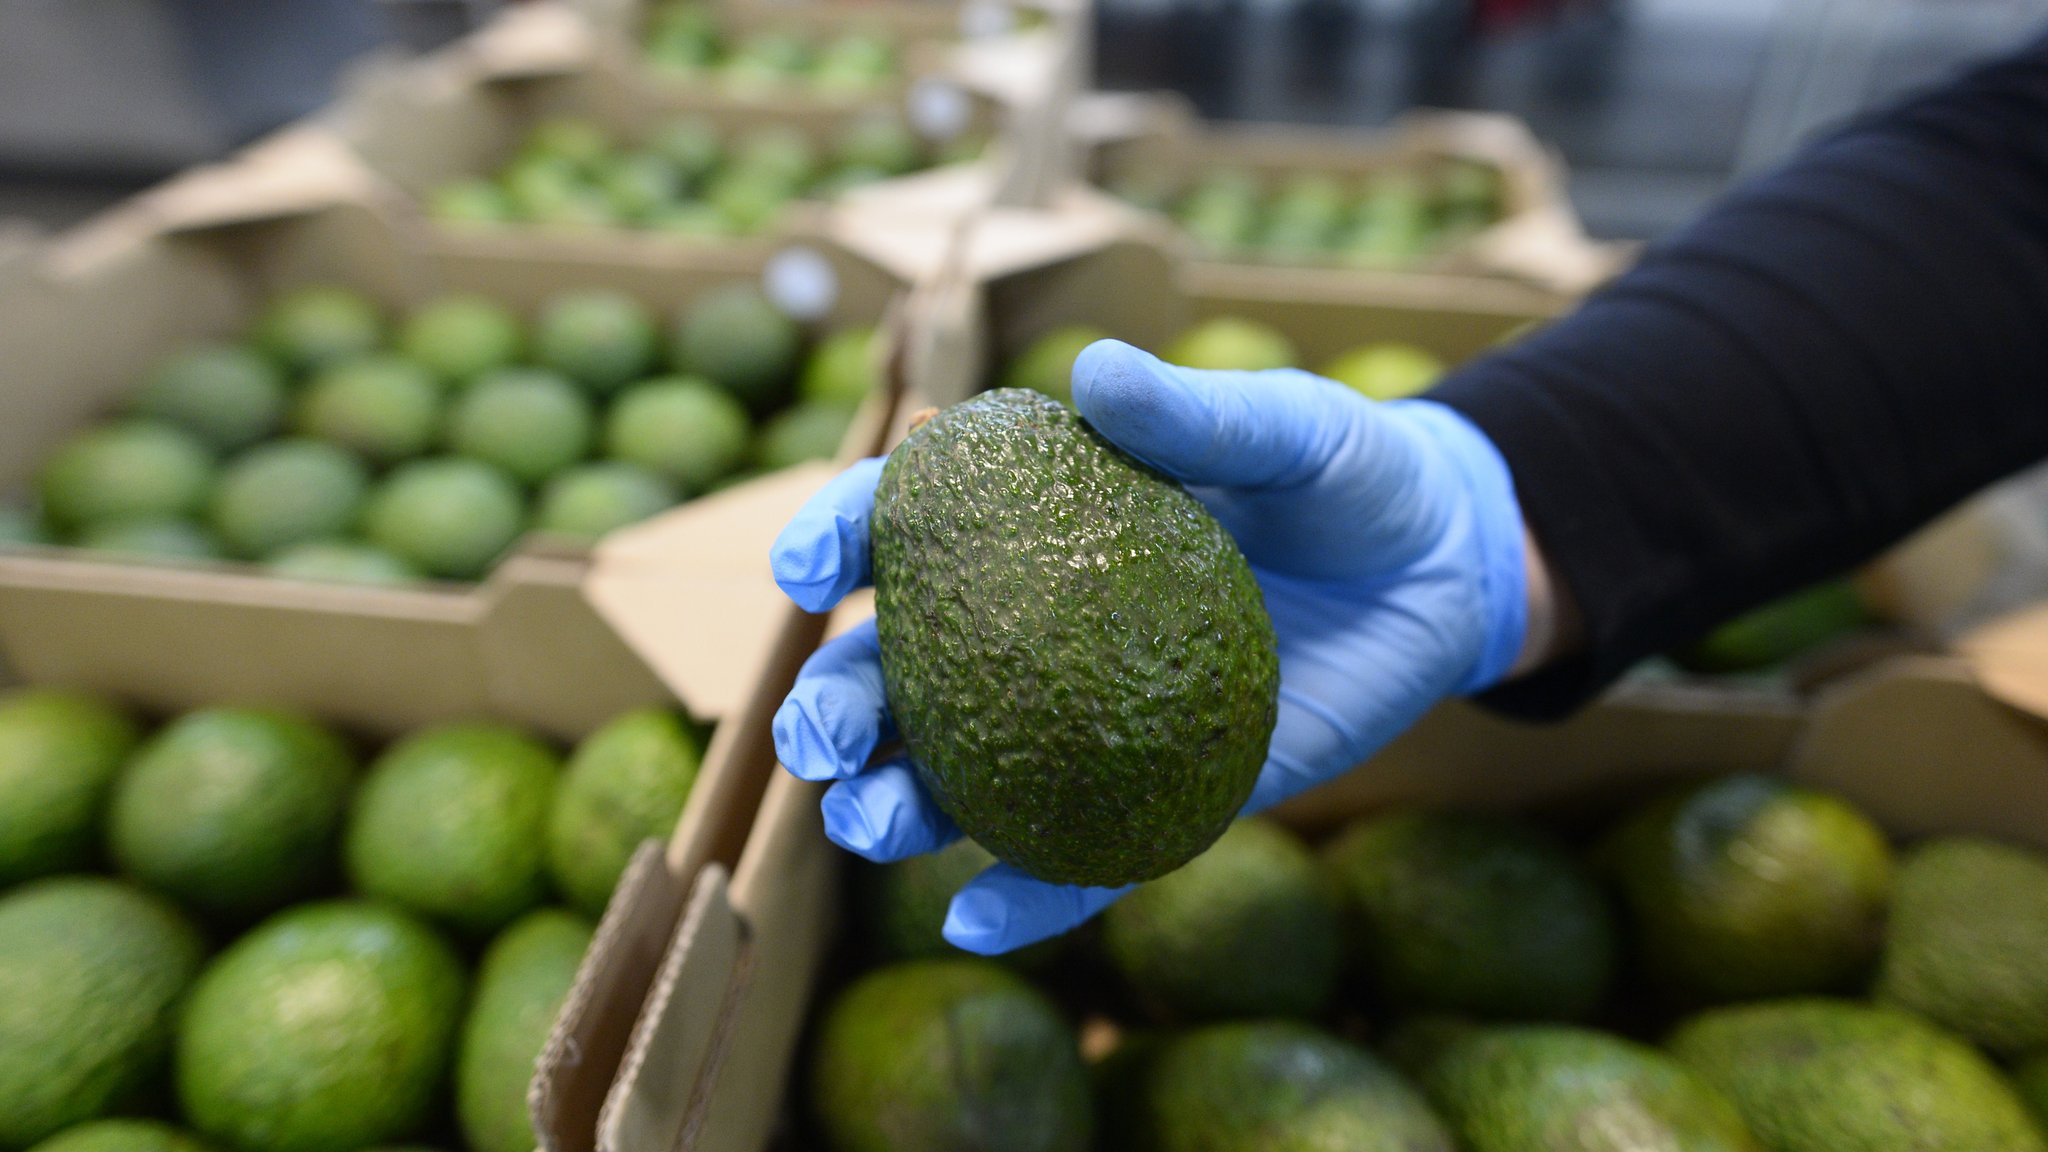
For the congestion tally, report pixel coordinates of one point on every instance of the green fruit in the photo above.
(309, 328)
(59, 752)
(1386, 371)
(1231, 344)
(1969, 922)
(154, 539)
(842, 180)
(129, 471)
(225, 394)
(597, 499)
(690, 219)
(1304, 218)
(1271, 1087)
(626, 783)
(1048, 365)
(529, 422)
(91, 971)
(690, 143)
(747, 201)
(941, 1055)
(1466, 913)
(1539, 1088)
(852, 64)
(841, 370)
(764, 62)
(233, 811)
(570, 140)
(287, 493)
(680, 428)
(903, 904)
(1392, 226)
(805, 432)
(1137, 696)
(682, 49)
(383, 408)
(524, 977)
(471, 202)
(549, 190)
(1830, 1076)
(1778, 631)
(779, 152)
(640, 184)
(1248, 928)
(735, 338)
(122, 1136)
(447, 517)
(2031, 1080)
(341, 562)
(1750, 887)
(1221, 212)
(878, 140)
(1468, 196)
(602, 340)
(326, 1029)
(459, 338)
(451, 823)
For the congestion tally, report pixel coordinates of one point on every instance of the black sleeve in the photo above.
(1830, 357)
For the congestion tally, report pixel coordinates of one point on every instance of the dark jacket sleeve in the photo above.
(1830, 357)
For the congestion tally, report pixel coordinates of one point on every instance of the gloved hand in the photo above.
(1386, 537)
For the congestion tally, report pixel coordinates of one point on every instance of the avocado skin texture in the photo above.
(122, 1136)
(1816, 1075)
(1468, 913)
(59, 755)
(2031, 1079)
(91, 971)
(1248, 928)
(1267, 1086)
(327, 1028)
(625, 783)
(904, 906)
(1086, 684)
(945, 1055)
(1748, 887)
(1544, 1088)
(1968, 942)
(525, 975)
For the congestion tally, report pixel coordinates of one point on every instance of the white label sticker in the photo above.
(938, 109)
(801, 282)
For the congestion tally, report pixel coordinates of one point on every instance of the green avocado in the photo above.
(451, 822)
(735, 338)
(640, 184)
(310, 328)
(572, 140)
(841, 369)
(903, 906)
(225, 394)
(853, 63)
(2031, 1080)
(1967, 942)
(802, 432)
(1247, 929)
(625, 783)
(471, 202)
(1778, 631)
(153, 540)
(1231, 344)
(1386, 371)
(287, 492)
(122, 1136)
(326, 1029)
(603, 340)
(1048, 364)
(520, 985)
(134, 470)
(234, 811)
(589, 501)
(1750, 887)
(878, 140)
(680, 427)
(1393, 226)
(383, 408)
(942, 1055)
(1473, 914)
(459, 338)
(529, 422)
(778, 151)
(91, 972)
(340, 562)
(449, 517)
(59, 754)
(690, 143)
(1087, 684)
(1832, 1076)
(1545, 1088)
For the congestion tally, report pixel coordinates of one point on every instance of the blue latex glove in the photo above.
(1386, 537)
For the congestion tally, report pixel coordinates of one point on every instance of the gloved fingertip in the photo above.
(800, 745)
(806, 569)
(978, 921)
(847, 825)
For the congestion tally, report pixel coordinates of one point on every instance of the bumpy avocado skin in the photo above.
(1074, 649)
(1968, 942)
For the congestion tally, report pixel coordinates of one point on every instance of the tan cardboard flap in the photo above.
(912, 236)
(2010, 658)
(298, 170)
(538, 38)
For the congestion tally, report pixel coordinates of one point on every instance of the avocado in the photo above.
(852, 64)
(878, 140)
(155, 539)
(310, 328)
(735, 338)
(1221, 212)
(1303, 219)
(679, 427)
(1778, 631)
(341, 562)
(122, 1136)
(903, 906)
(572, 140)
(803, 432)
(1231, 344)
(287, 492)
(2030, 1079)
(383, 408)
(127, 471)
(764, 62)
(941, 1055)
(59, 754)
(1469, 196)
(91, 972)
(550, 190)
(1048, 364)
(1086, 685)
(691, 219)
(327, 1028)
(1392, 227)
(1817, 1075)
(681, 51)
(1386, 371)
(749, 200)
(1749, 887)
(594, 499)
(778, 151)
(448, 517)
(529, 422)
(690, 143)
(451, 823)
(234, 811)
(520, 985)
(1247, 929)
(1477, 914)
(842, 369)
(639, 184)
(459, 338)
(1270, 1086)
(1546, 1088)
(1969, 930)
(225, 394)
(469, 202)
(601, 339)
(625, 783)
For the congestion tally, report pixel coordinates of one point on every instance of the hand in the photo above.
(1386, 538)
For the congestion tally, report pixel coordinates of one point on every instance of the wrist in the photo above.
(1553, 627)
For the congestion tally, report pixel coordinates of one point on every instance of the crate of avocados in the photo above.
(250, 442)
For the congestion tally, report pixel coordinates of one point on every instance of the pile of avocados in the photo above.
(686, 43)
(336, 442)
(684, 178)
(241, 932)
